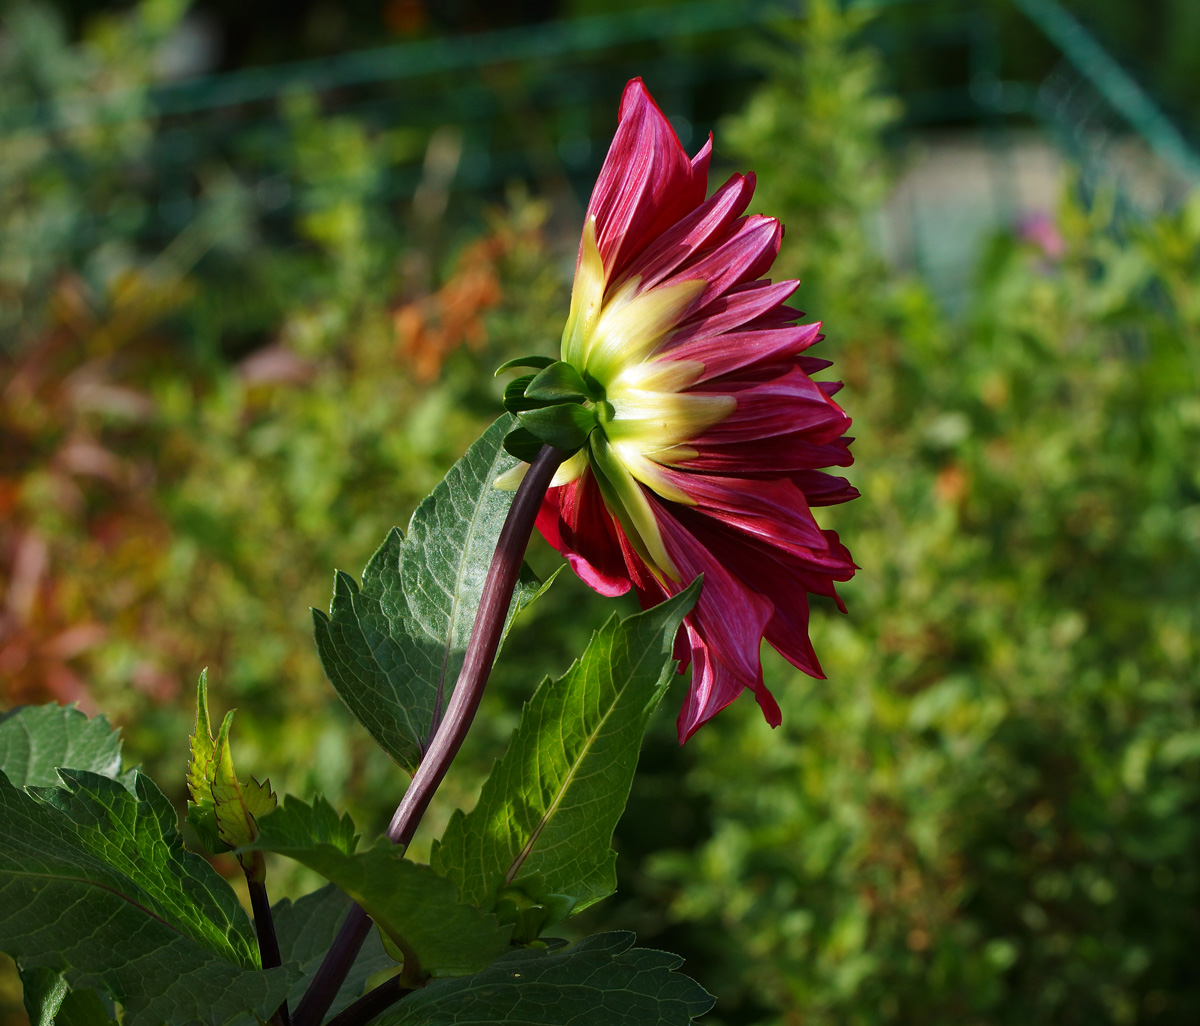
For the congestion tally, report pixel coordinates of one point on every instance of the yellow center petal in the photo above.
(647, 416)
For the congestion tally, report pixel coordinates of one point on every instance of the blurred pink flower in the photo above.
(1040, 230)
(712, 431)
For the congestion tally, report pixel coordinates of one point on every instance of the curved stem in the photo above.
(371, 1004)
(481, 647)
(477, 664)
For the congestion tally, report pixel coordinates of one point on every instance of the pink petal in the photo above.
(789, 404)
(737, 307)
(746, 252)
(647, 182)
(714, 687)
(729, 615)
(785, 455)
(774, 511)
(782, 577)
(821, 489)
(788, 630)
(574, 520)
(697, 230)
(733, 351)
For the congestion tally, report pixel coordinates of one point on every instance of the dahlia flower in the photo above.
(703, 432)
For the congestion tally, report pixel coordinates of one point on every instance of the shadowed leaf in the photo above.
(600, 980)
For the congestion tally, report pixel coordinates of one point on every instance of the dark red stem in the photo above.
(264, 924)
(477, 664)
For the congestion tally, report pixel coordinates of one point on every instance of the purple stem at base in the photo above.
(264, 925)
(464, 701)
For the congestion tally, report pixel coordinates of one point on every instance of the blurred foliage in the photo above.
(989, 813)
(160, 498)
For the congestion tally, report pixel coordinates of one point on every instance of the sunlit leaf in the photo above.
(95, 884)
(393, 648)
(544, 820)
(35, 741)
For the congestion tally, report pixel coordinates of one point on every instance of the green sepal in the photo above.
(522, 444)
(560, 382)
(565, 426)
(239, 804)
(515, 400)
(524, 361)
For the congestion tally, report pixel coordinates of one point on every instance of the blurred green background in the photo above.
(258, 261)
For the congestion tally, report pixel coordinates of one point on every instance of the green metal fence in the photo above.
(535, 103)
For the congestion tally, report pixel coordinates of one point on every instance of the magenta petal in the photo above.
(573, 519)
(714, 687)
(788, 630)
(647, 182)
(773, 511)
(729, 615)
(735, 308)
(785, 455)
(746, 252)
(746, 482)
(821, 489)
(790, 404)
(697, 230)
(733, 351)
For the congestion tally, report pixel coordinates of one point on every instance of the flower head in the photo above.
(702, 431)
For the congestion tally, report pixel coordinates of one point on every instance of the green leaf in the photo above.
(565, 426)
(43, 991)
(560, 382)
(84, 1008)
(35, 741)
(393, 648)
(223, 810)
(95, 884)
(545, 817)
(306, 929)
(203, 749)
(49, 1002)
(524, 361)
(419, 911)
(237, 804)
(201, 811)
(601, 981)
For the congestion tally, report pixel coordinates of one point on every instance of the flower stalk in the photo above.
(464, 702)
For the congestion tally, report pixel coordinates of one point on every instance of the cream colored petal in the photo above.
(660, 420)
(510, 480)
(649, 473)
(627, 501)
(657, 376)
(567, 472)
(587, 296)
(570, 469)
(632, 325)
